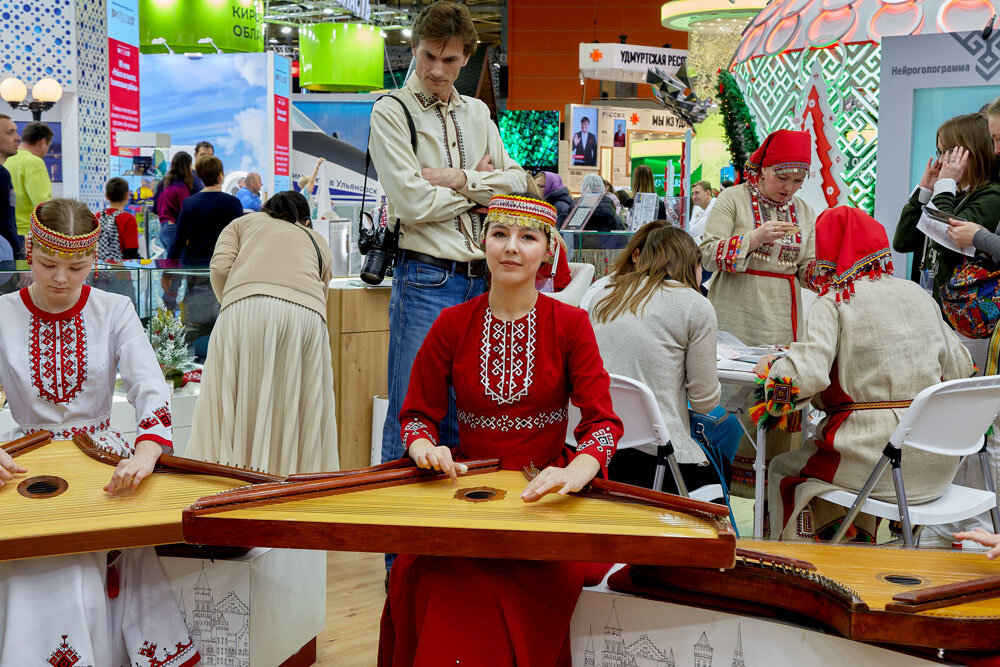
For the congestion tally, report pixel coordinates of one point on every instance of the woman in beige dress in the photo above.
(267, 389)
(759, 243)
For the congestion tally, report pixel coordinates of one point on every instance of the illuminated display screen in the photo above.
(531, 138)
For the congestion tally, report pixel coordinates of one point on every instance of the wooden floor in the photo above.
(355, 594)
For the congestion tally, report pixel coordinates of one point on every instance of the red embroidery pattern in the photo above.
(163, 414)
(68, 433)
(148, 423)
(507, 357)
(415, 430)
(58, 353)
(726, 252)
(184, 654)
(604, 443)
(764, 250)
(65, 655)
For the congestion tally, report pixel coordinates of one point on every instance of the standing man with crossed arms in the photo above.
(460, 163)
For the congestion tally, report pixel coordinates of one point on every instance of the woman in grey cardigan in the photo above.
(653, 324)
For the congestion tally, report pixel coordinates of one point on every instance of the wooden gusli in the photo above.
(59, 506)
(398, 508)
(933, 599)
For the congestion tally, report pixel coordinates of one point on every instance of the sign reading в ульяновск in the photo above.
(235, 26)
(627, 62)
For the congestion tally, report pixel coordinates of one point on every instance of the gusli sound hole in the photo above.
(480, 494)
(42, 486)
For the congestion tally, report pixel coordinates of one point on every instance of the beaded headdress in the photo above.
(524, 212)
(57, 243)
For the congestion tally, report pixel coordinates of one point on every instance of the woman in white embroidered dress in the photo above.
(759, 244)
(61, 346)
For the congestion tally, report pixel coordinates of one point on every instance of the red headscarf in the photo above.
(849, 244)
(784, 150)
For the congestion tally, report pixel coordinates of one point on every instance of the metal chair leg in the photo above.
(904, 512)
(863, 494)
(984, 464)
(665, 458)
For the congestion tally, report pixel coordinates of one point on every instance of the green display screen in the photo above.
(531, 138)
(341, 57)
(235, 26)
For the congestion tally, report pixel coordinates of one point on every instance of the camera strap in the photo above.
(368, 153)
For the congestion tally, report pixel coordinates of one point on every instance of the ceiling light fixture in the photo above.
(407, 32)
(286, 29)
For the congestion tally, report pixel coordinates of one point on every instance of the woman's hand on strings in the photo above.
(134, 469)
(554, 479)
(426, 455)
(962, 231)
(8, 468)
(953, 164)
(984, 538)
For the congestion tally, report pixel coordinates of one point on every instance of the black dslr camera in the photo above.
(378, 244)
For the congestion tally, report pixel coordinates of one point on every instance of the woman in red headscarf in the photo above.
(872, 342)
(758, 241)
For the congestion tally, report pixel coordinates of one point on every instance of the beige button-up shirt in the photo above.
(435, 220)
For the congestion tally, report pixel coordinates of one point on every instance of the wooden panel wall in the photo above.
(543, 40)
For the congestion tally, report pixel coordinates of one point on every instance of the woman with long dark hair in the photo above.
(176, 187)
(267, 389)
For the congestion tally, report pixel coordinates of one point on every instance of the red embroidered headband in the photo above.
(57, 243)
(524, 212)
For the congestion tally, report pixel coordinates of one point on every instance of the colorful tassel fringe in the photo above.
(770, 414)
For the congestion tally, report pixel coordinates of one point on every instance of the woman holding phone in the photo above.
(960, 182)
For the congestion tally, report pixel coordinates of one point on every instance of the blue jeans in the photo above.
(419, 293)
(168, 233)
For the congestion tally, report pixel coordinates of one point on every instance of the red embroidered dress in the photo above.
(513, 382)
(58, 371)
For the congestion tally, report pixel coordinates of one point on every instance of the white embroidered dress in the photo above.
(58, 371)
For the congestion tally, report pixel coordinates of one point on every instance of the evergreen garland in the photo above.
(741, 131)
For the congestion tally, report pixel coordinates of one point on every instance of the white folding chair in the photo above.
(636, 406)
(949, 418)
(581, 276)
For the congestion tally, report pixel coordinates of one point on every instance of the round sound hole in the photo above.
(42, 486)
(480, 494)
(901, 579)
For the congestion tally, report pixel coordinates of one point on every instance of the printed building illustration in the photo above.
(643, 652)
(219, 628)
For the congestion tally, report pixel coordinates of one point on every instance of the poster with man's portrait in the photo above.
(620, 133)
(583, 136)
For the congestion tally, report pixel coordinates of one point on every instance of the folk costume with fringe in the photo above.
(757, 295)
(872, 342)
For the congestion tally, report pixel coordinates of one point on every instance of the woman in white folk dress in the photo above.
(62, 344)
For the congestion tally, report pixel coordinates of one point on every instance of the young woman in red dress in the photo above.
(515, 359)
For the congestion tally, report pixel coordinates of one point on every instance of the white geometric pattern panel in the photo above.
(92, 59)
(38, 39)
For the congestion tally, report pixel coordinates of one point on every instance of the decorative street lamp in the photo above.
(46, 92)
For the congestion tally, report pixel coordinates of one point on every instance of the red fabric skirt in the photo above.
(479, 611)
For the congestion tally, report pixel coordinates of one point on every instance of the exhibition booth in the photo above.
(141, 80)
